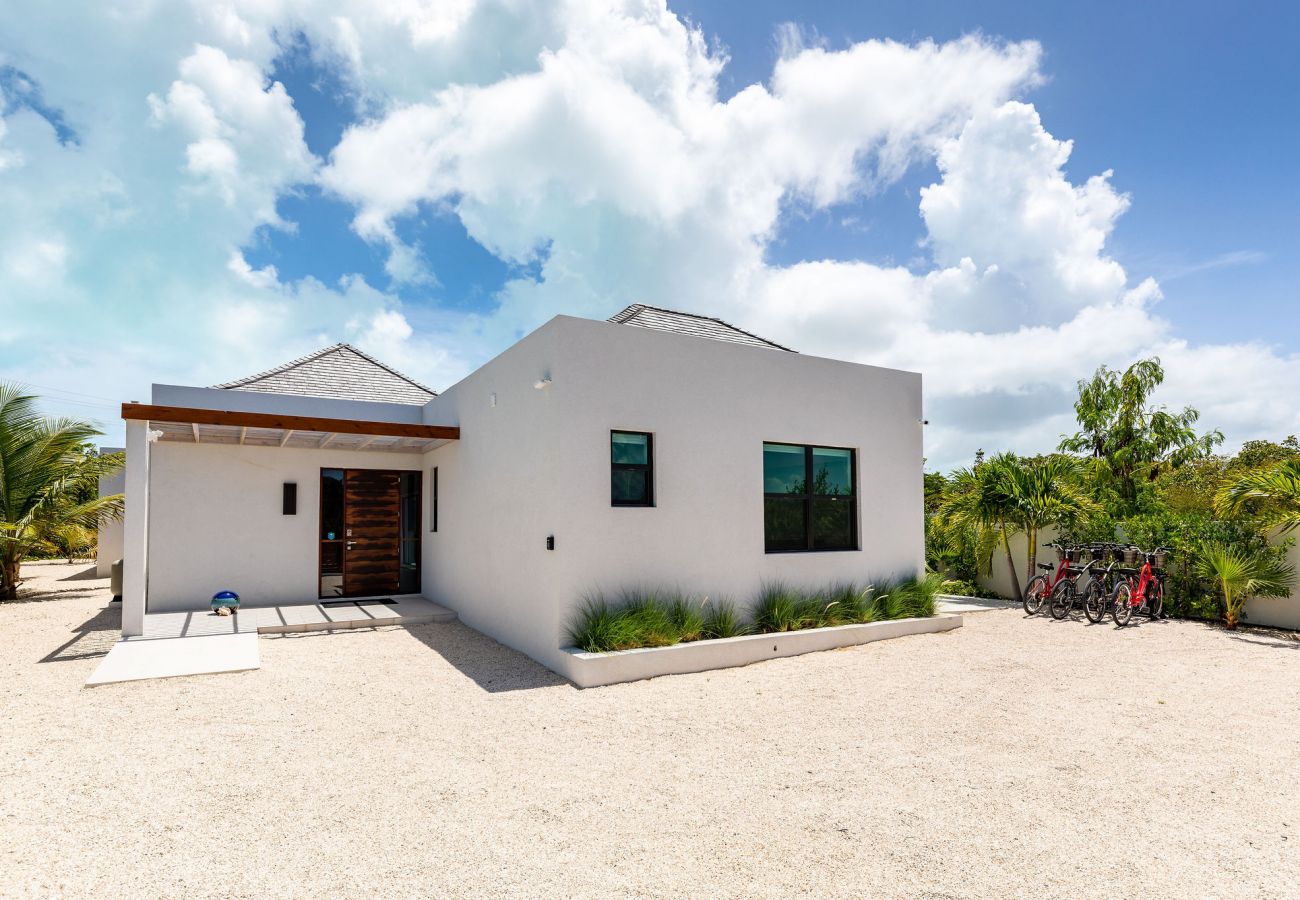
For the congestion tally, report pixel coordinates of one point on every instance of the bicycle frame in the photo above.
(1061, 573)
(1139, 586)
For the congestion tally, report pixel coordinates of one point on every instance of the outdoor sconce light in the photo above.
(550, 542)
(290, 498)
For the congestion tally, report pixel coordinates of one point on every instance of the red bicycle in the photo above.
(1040, 587)
(1141, 591)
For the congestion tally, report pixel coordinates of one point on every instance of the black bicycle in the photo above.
(1066, 593)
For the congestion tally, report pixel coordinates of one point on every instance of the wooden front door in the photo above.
(372, 532)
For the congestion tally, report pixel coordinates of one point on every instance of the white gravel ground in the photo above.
(1011, 757)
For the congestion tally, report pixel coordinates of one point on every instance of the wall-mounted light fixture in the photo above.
(289, 498)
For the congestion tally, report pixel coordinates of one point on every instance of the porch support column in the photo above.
(135, 529)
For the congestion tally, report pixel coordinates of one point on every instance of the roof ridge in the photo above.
(630, 311)
(387, 368)
(317, 354)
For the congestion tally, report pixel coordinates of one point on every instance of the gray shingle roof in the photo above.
(340, 372)
(643, 316)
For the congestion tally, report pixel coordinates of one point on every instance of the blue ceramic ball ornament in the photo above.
(225, 599)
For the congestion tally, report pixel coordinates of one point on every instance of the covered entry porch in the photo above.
(227, 499)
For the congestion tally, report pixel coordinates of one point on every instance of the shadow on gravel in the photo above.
(86, 574)
(493, 667)
(92, 638)
(69, 594)
(1267, 639)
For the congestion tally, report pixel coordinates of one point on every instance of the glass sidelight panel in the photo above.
(331, 533)
(409, 529)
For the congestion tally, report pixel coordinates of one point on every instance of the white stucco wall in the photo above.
(216, 521)
(998, 579)
(1279, 612)
(500, 492)
(538, 464)
(108, 543)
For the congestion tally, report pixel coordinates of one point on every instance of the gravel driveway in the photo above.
(1012, 756)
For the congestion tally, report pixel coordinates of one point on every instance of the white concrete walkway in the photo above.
(172, 657)
(947, 603)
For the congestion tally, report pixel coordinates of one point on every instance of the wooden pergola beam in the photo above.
(195, 417)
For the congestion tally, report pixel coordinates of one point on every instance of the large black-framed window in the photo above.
(631, 461)
(810, 499)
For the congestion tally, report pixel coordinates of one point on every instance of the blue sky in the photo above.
(214, 195)
(1182, 100)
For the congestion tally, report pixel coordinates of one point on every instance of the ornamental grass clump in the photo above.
(650, 618)
(658, 618)
(722, 621)
(917, 595)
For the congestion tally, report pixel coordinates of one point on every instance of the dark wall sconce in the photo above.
(290, 498)
(550, 542)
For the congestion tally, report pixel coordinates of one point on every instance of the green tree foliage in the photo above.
(977, 509)
(49, 479)
(1271, 494)
(1240, 574)
(1134, 473)
(1044, 491)
(1134, 440)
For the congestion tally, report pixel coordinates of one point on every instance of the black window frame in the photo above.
(648, 468)
(808, 499)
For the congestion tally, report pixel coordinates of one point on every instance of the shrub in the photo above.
(958, 588)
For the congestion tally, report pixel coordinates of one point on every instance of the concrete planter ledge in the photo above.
(597, 669)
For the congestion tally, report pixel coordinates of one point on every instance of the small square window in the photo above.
(631, 458)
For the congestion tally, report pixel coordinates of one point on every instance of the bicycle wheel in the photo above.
(1121, 604)
(1094, 603)
(1156, 598)
(1035, 594)
(1062, 599)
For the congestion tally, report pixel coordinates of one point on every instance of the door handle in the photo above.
(351, 544)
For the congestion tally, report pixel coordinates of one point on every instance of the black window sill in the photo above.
(819, 550)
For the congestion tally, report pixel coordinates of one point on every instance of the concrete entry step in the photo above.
(295, 617)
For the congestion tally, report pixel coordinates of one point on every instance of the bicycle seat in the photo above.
(1045, 566)
(1123, 570)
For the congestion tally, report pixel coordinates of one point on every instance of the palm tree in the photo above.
(1044, 492)
(1242, 573)
(976, 498)
(48, 479)
(1274, 492)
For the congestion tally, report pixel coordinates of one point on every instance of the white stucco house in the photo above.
(654, 448)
